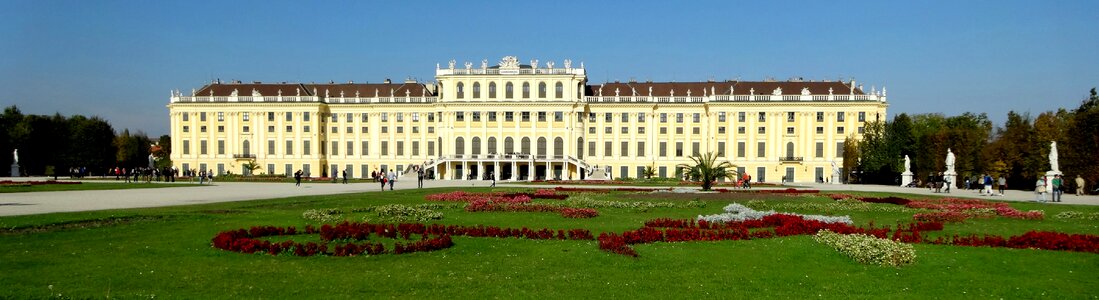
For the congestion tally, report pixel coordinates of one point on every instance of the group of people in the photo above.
(984, 183)
(936, 182)
(78, 172)
(166, 174)
(1056, 187)
(385, 178)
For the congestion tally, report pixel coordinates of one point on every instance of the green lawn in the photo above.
(166, 252)
(86, 186)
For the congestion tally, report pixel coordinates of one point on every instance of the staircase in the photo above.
(598, 174)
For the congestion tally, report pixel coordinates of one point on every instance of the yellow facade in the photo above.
(520, 122)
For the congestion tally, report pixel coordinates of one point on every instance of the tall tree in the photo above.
(1082, 142)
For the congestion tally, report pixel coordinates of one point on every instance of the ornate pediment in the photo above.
(509, 62)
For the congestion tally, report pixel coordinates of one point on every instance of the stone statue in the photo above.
(484, 64)
(835, 169)
(234, 93)
(255, 93)
(777, 91)
(907, 164)
(949, 161)
(805, 91)
(1053, 164)
(451, 64)
(469, 65)
(15, 156)
(151, 161)
(568, 64)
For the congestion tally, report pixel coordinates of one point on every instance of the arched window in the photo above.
(492, 145)
(509, 145)
(558, 147)
(476, 146)
(509, 90)
(790, 149)
(580, 148)
(476, 90)
(559, 90)
(541, 146)
(526, 90)
(492, 90)
(459, 146)
(461, 90)
(542, 90)
(524, 145)
(247, 148)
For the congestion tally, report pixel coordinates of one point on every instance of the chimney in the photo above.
(387, 81)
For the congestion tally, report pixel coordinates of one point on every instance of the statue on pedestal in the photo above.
(907, 164)
(15, 157)
(949, 161)
(1053, 164)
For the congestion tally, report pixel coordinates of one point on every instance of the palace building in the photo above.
(517, 121)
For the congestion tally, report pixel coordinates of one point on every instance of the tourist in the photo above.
(382, 179)
(201, 177)
(1001, 184)
(988, 185)
(344, 176)
(297, 178)
(210, 174)
(374, 175)
(1079, 185)
(1056, 184)
(490, 174)
(1040, 190)
(420, 178)
(392, 179)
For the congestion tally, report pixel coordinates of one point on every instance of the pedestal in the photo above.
(836, 178)
(906, 178)
(950, 178)
(15, 170)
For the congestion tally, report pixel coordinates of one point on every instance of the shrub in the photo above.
(868, 249)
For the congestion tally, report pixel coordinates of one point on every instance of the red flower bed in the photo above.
(431, 237)
(941, 216)
(490, 205)
(788, 191)
(579, 213)
(1045, 240)
(953, 209)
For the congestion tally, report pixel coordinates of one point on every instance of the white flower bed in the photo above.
(738, 213)
(323, 215)
(868, 249)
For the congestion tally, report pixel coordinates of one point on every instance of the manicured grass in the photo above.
(85, 186)
(166, 252)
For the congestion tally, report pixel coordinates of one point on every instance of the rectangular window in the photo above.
(186, 147)
(762, 116)
(761, 149)
(289, 117)
(186, 117)
(740, 117)
(761, 174)
(663, 130)
(525, 116)
(679, 117)
(289, 147)
(415, 129)
(245, 129)
(431, 129)
(400, 117)
(607, 130)
(509, 116)
(663, 149)
(820, 150)
(415, 148)
(335, 148)
(820, 116)
(720, 149)
(625, 117)
(591, 130)
(305, 128)
(221, 116)
(385, 129)
(270, 169)
(740, 149)
(591, 117)
(839, 116)
(492, 116)
(820, 130)
(270, 128)
(364, 129)
(607, 148)
(678, 149)
(641, 130)
(306, 148)
(221, 128)
(640, 149)
(558, 116)
(458, 116)
(400, 129)
(416, 116)
(431, 117)
(625, 130)
(221, 147)
(789, 130)
(839, 149)
(697, 117)
(679, 130)
(270, 146)
(476, 116)
(607, 117)
(349, 129)
(861, 130)
(365, 148)
(790, 116)
(186, 128)
(541, 116)
(385, 148)
(721, 116)
(385, 116)
(335, 129)
(761, 130)
(663, 172)
(862, 116)
(244, 116)
(740, 130)
(365, 117)
(430, 148)
(335, 118)
(591, 149)
(305, 116)
(839, 130)
(721, 130)
(640, 117)
(625, 149)
(696, 130)
(663, 118)
(400, 148)
(695, 148)
(348, 117)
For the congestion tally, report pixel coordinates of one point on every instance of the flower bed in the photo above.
(398, 213)
(953, 209)
(1077, 215)
(1030, 240)
(843, 204)
(736, 212)
(787, 191)
(323, 215)
(868, 249)
(490, 205)
(579, 213)
(431, 237)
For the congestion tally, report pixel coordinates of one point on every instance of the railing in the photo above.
(244, 156)
(727, 98)
(334, 100)
(496, 71)
(790, 159)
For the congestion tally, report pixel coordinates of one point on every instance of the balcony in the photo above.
(790, 159)
(244, 156)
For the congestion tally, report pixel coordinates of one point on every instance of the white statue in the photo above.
(949, 161)
(151, 160)
(15, 156)
(805, 91)
(255, 93)
(777, 91)
(234, 93)
(835, 169)
(451, 64)
(1053, 164)
(484, 64)
(907, 164)
(568, 64)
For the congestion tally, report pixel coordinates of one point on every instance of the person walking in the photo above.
(1056, 184)
(988, 185)
(201, 177)
(1079, 185)
(392, 179)
(374, 175)
(297, 178)
(420, 178)
(382, 179)
(490, 174)
(1040, 190)
(344, 176)
(1001, 184)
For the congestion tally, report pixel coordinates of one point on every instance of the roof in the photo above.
(721, 88)
(325, 90)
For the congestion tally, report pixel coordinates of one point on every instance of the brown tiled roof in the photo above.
(721, 88)
(333, 89)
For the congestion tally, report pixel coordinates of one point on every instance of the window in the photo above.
(525, 116)
(186, 147)
(186, 117)
(415, 129)
(221, 116)
(541, 116)
(385, 129)
(335, 129)
(400, 117)
(607, 130)
(365, 117)
(762, 116)
(385, 147)
(270, 146)
(431, 129)
(625, 130)
(839, 116)
(400, 129)
(526, 90)
(607, 117)
(591, 148)
(305, 116)
(721, 116)
(305, 128)
(542, 90)
(761, 149)
(509, 90)
(270, 116)
(862, 129)
(820, 116)
(476, 90)
(762, 130)
(640, 149)
(862, 116)
(721, 129)
(625, 149)
(641, 130)
(335, 148)
(476, 116)
(349, 129)
(663, 130)
(509, 116)
(364, 129)
(740, 149)
(244, 116)
(721, 149)
(385, 117)
(678, 149)
(697, 117)
(400, 148)
(625, 117)
(458, 116)
(461, 90)
(789, 116)
(591, 130)
(640, 117)
(415, 148)
(306, 148)
(492, 90)
(679, 117)
(245, 129)
(347, 117)
(740, 117)
(289, 128)
(221, 147)
(221, 128)
(591, 117)
(186, 128)
(559, 90)
(679, 130)
(820, 130)
(839, 130)
(839, 149)
(695, 147)
(558, 116)
(696, 130)
(607, 149)
(492, 116)
(270, 128)
(289, 117)
(365, 148)
(663, 118)
(740, 130)
(663, 149)
(289, 147)
(820, 150)
(335, 118)
(431, 117)
(430, 148)
(789, 130)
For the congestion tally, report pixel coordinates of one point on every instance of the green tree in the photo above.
(850, 158)
(706, 168)
(1081, 150)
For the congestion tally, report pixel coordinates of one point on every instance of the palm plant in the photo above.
(706, 168)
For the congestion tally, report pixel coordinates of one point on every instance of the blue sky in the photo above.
(120, 59)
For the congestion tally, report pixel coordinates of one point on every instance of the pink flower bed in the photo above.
(952, 210)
